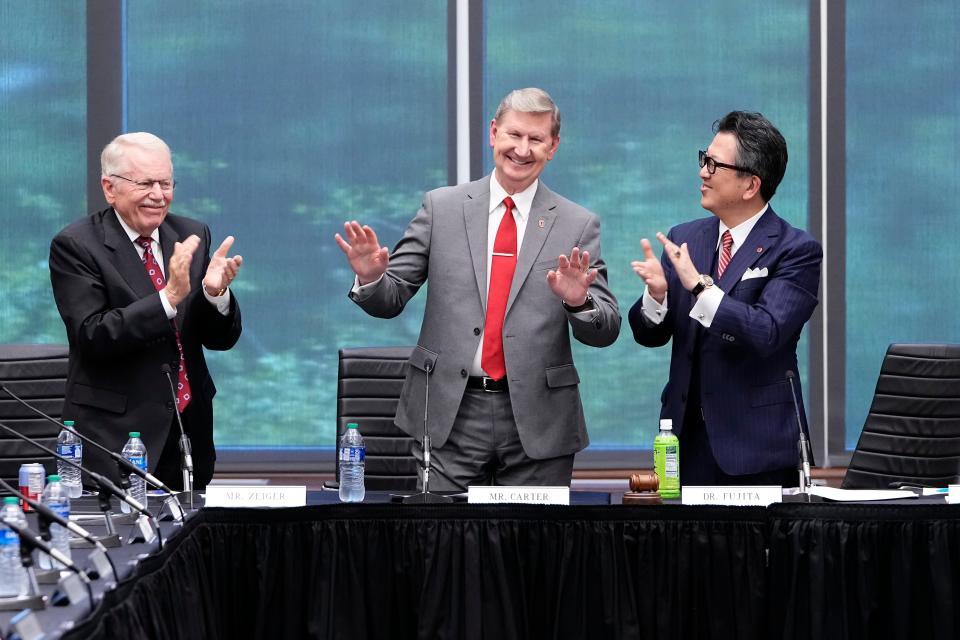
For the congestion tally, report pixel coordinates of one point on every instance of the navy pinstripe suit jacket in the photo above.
(750, 345)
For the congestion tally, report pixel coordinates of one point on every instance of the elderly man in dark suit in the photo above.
(513, 269)
(733, 292)
(137, 289)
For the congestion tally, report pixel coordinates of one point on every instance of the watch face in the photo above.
(706, 280)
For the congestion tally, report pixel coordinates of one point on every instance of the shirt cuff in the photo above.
(706, 306)
(222, 303)
(362, 291)
(654, 311)
(168, 308)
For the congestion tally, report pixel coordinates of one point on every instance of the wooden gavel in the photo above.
(644, 488)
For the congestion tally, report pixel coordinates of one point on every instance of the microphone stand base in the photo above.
(425, 497)
(16, 603)
(48, 576)
(111, 540)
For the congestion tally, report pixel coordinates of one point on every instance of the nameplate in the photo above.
(520, 495)
(953, 494)
(759, 496)
(255, 496)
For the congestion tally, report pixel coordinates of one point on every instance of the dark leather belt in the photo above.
(487, 384)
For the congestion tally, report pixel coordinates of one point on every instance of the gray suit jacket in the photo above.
(447, 242)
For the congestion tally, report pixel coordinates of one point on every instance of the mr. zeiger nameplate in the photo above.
(732, 496)
(524, 495)
(256, 496)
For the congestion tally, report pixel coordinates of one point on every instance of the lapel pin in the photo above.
(541, 223)
(759, 249)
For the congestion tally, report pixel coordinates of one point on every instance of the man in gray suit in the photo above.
(504, 395)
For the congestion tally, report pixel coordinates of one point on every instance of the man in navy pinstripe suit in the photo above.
(733, 291)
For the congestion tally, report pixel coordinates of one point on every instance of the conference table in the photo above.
(593, 569)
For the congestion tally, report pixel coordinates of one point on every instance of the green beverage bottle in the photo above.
(666, 460)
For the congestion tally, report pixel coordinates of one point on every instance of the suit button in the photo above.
(597, 324)
(463, 373)
(476, 331)
(169, 405)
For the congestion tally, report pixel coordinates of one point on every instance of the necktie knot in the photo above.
(727, 240)
(144, 242)
(508, 203)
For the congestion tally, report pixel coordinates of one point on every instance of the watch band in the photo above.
(587, 304)
(704, 282)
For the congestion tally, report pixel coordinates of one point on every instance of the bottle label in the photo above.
(139, 461)
(8, 537)
(671, 466)
(352, 454)
(60, 509)
(67, 450)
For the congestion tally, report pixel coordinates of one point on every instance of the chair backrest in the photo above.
(368, 390)
(912, 433)
(38, 374)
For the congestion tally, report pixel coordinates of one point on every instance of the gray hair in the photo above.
(530, 100)
(112, 156)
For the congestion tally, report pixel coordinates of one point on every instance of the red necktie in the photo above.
(726, 245)
(501, 277)
(159, 282)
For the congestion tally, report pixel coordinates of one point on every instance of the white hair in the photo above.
(113, 155)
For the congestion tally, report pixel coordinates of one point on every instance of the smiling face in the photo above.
(726, 190)
(142, 210)
(522, 145)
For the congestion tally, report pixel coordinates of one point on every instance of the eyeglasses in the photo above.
(147, 185)
(712, 165)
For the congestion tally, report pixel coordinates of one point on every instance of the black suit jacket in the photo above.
(120, 337)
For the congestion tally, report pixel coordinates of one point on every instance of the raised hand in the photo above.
(367, 258)
(572, 278)
(178, 270)
(222, 270)
(651, 271)
(679, 256)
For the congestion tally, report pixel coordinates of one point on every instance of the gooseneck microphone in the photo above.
(29, 540)
(33, 541)
(186, 450)
(45, 513)
(124, 465)
(106, 487)
(425, 496)
(802, 444)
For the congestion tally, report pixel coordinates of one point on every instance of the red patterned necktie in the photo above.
(726, 245)
(159, 282)
(502, 266)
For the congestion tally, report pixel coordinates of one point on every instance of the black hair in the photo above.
(761, 148)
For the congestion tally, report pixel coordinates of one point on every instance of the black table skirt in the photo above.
(460, 571)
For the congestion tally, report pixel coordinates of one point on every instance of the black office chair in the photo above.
(912, 432)
(38, 374)
(368, 390)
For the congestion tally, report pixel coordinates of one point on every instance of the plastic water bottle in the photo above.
(13, 577)
(666, 460)
(136, 452)
(352, 454)
(70, 446)
(57, 497)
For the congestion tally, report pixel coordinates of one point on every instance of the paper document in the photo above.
(861, 495)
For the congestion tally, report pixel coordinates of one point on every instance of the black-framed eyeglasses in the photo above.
(712, 165)
(147, 185)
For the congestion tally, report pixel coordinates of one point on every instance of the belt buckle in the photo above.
(485, 381)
